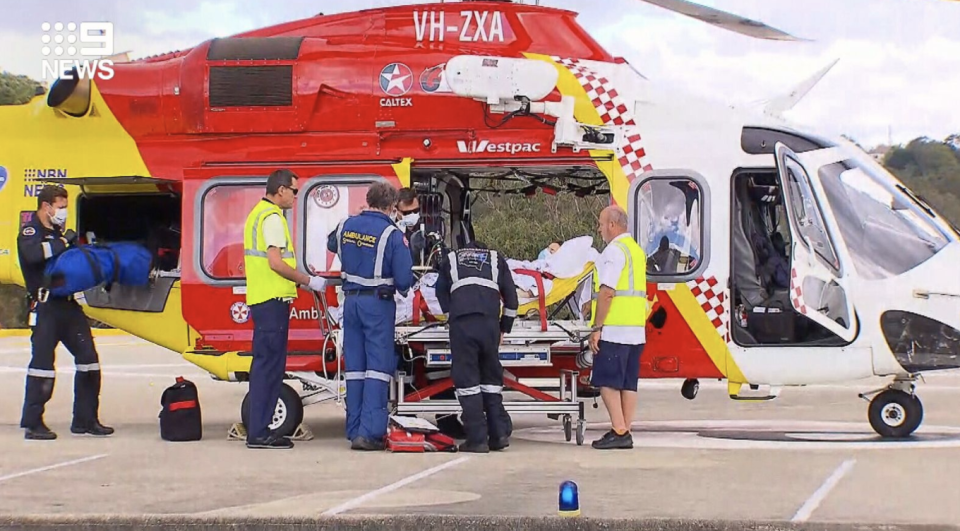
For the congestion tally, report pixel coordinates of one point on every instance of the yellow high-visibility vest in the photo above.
(629, 305)
(263, 283)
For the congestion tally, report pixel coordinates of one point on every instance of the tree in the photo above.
(16, 90)
(931, 169)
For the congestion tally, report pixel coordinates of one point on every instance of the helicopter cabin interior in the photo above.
(147, 214)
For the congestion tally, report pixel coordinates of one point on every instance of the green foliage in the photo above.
(932, 170)
(16, 90)
(522, 226)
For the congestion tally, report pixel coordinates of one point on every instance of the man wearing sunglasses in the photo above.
(272, 278)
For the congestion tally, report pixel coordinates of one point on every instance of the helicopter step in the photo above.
(736, 392)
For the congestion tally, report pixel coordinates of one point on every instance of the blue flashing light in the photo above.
(569, 499)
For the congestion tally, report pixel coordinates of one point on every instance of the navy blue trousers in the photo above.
(271, 322)
(370, 361)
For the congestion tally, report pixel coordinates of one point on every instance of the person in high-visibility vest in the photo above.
(618, 316)
(272, 277)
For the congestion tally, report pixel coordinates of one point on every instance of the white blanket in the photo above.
(568, 261)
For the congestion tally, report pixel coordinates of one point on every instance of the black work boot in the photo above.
(369, 445)
(40, 432)
(612, 441)
(271, 442)
(91, 428)
(472, 448)
(499, 444)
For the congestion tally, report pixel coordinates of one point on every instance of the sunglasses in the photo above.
(408, 212)
(294, 190)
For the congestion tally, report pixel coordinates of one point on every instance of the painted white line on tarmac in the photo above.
(817, 498)
(356, 502)
(50, 467)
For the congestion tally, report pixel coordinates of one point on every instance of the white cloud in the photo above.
(910, 86)
(212, 18)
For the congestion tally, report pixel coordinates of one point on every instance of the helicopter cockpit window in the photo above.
(885, 233)
(324, 205)
(224, 211)
(670, 227)
(813, 230)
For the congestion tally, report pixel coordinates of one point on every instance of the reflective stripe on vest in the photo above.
(628, 308)
(263, 283)
(474, 281)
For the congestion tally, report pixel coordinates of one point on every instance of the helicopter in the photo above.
(791, 258)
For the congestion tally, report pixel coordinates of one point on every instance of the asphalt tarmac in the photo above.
(808, 457)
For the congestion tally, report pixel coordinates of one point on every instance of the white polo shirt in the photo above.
(610, 266)
(273, 233)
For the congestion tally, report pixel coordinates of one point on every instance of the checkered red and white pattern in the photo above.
(711, 298)
(613, 111)
(796, 296)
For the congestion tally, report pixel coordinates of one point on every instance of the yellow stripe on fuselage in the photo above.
(710, 340)
(586, 113)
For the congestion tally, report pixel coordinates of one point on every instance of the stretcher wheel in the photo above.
(567, 428)
(581, 432)
(287, 415)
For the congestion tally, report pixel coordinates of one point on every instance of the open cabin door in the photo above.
(818, 288)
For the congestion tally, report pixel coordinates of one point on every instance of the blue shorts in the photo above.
(616, 366)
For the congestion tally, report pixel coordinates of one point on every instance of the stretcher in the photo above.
(424, 342)
(529, 344)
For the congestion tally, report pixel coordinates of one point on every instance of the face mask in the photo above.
(60, 217)
(409, 220)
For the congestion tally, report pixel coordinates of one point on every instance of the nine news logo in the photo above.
(63, 42)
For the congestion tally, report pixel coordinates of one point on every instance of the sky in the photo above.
(898, 74)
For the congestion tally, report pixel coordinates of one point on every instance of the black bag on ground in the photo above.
(180, 418)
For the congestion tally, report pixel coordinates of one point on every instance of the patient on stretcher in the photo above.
(564, 270)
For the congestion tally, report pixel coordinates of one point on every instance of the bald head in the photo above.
(613, 222)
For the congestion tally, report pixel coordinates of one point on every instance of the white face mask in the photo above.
(409, 220)
(60, 217)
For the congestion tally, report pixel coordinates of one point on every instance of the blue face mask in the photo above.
(544, 254)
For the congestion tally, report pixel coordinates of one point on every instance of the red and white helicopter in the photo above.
(778, 257)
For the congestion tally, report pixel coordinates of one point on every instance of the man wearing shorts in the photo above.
(619, 315)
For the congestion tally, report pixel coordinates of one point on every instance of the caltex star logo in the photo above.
(396, 79)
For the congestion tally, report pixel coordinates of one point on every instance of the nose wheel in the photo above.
(895, 413)
(690, 388)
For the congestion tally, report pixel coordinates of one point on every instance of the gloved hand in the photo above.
(71, 236)
(318, 283)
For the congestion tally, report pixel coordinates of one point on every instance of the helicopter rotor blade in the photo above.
(725, 20)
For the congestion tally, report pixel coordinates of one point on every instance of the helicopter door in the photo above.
(818, 288)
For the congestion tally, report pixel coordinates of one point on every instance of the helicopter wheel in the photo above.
(690, 388)
(894, 413)
(287, 415)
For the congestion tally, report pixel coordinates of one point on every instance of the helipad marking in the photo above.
(360, 500)
(50, 467)
(820, 494)
(759, 435)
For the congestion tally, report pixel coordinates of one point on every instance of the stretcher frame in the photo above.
(566, 406)
(544, 332)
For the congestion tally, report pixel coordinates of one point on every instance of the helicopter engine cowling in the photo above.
(500, 79)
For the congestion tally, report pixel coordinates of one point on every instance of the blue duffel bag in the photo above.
(88, 266)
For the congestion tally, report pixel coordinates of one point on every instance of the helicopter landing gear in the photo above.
(895, 412)
(690, 388)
